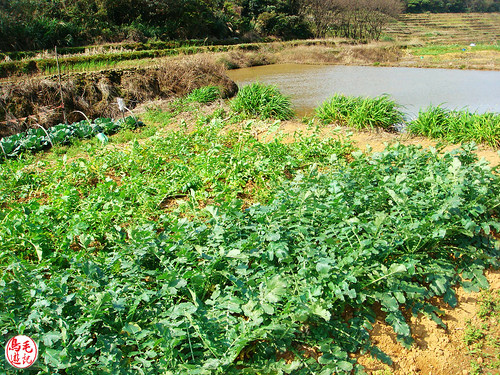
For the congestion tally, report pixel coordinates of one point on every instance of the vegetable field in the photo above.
(39, 139)
(210, 252)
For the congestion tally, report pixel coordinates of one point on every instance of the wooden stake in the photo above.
(60, 86)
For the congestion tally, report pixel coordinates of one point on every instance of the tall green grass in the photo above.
(265, 101)
(204, 95)
(359, 112)
(457, 126)
(85, 66)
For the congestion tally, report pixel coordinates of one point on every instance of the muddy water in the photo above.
(310, 85)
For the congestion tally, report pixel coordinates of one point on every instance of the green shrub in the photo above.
(265, 101)
(359, 112)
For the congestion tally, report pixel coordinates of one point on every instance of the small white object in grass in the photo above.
(102, 137)
(121, 104)
(472, 44)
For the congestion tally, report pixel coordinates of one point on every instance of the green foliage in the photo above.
(264, 101)
(79, 62)
(436, 50)
(31, 25)
(359, 112)
(282, 25)
(472, 334)
(106, 279)
(204, 95)
(457, 126)
(489, 304)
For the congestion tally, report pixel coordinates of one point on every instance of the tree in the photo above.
(321, 14)
(357, 19)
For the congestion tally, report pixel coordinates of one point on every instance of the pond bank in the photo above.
(94, 93)
(375, 54)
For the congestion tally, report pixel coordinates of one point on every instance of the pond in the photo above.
(413, 88)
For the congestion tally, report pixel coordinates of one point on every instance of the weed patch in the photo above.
(481, 336)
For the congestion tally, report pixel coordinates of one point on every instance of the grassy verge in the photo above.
(457, 126)
(92, 62)
(117, 47)
(435, 122)
(436, 50)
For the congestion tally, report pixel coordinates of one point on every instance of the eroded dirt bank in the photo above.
(38, 100)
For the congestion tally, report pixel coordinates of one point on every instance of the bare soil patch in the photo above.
(436, 350)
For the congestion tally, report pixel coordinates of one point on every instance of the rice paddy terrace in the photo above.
(446, 28)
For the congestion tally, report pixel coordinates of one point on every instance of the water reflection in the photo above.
(413, 88)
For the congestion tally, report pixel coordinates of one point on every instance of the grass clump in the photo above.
(457, 126)
(359, 112)
(204, 95)
(265, 101)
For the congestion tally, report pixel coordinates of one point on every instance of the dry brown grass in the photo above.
(328, 53)
(245, 59)
(95, 93)
(347, 54)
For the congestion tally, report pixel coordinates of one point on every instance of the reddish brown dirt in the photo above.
(436, 351)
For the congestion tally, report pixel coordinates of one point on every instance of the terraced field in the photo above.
(446, 28)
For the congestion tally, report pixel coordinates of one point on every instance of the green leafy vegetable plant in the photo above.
(107, 278)
(35, 140)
